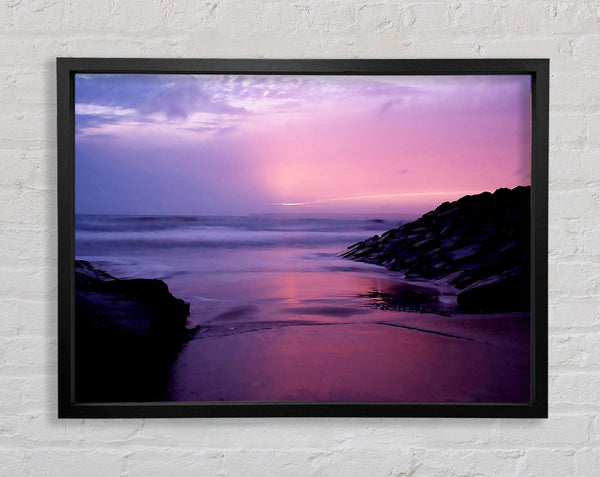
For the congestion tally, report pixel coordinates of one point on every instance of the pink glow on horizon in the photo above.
(389, 161)
(380, 196)
(356, 144)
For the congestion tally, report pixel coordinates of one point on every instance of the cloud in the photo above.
(101, 110)
(240, 144)
(181, 99)
(178, 96)
(147, 98)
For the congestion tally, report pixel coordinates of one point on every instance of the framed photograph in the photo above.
(302, 237)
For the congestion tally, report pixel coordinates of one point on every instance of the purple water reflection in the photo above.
(283, 318)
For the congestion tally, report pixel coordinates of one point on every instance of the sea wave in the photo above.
(274, 223)
(221, 232)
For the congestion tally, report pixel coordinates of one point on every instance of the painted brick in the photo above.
(34, 33)
(333, 16)
(178, 16)
(137, 16)
(432, 16)
(574, 204)
(320, 462)
(189, 463)
(44, 15)
(574, 167)
(557, 48)
(591, 241)
(563, 93)
(569, 430)
(27, 355)
(547, 462)
(585, 50)
(379, 17)
(587, 462)
(26, 316)
(563, 242)
(468, 462)
(34, 87)
(107, 432)
(471, 17)
(575, 350)
(593, 128)
(22, 395)
(569, 312)
(576, 388)
(579, 279)
(76, 462)
(15, 462)
(568, 127)
(89, 15)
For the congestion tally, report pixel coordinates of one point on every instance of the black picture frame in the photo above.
(66, 70)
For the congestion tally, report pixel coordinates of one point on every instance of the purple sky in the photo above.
(234, 145)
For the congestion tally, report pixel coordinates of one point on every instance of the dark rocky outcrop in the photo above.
(479, 243)
(127, 334)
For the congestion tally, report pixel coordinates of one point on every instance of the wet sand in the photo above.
(381, 357)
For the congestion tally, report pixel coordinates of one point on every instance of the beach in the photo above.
(279, 315)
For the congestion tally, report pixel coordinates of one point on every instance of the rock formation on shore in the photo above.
(479, 243)
(127, 334)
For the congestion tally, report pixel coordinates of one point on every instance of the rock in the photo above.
(127, 334)
(497, 294)
(479, 243)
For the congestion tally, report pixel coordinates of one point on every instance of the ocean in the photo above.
(220, 263)
(281, 316)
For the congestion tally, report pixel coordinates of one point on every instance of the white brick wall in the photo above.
(34, 32)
